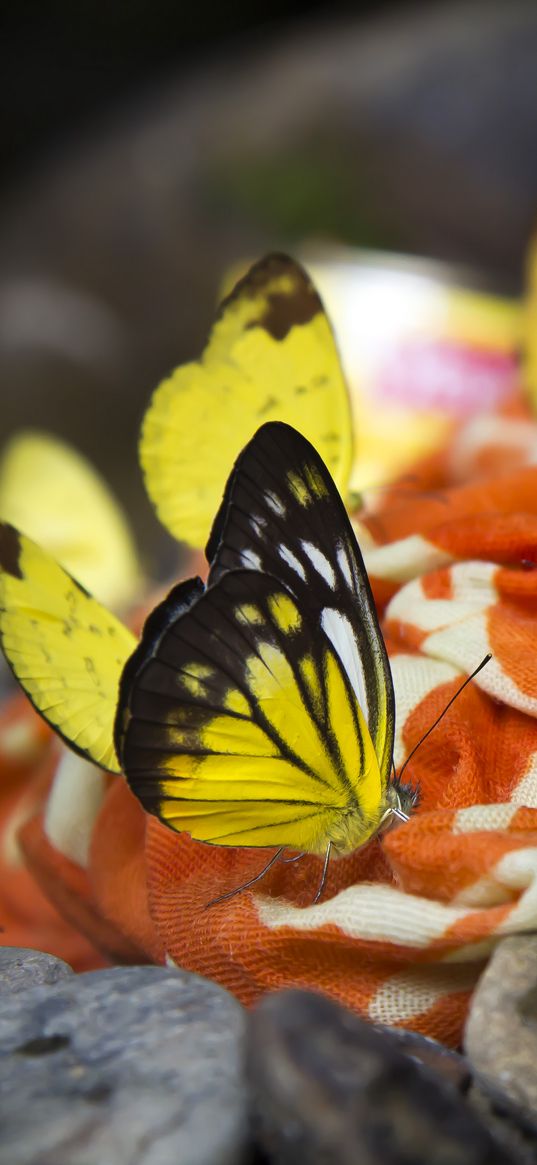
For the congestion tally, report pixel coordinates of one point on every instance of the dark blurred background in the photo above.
(61, 64)
(145, 147)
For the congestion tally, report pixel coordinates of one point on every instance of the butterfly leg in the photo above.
(246, 885)
(324, 873)
(296, 858)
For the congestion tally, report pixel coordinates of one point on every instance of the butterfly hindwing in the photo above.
(237, 723)
(282, 514)
(65, 649)
(271, 355)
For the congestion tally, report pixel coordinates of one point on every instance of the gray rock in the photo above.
(328, 1087)
(501, 1032)
(133, 1064)
(451, 1065)
(21, 968)
(511, 1125)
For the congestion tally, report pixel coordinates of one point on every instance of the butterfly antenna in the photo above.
(322, 883)
(467, 681)
(246, 885)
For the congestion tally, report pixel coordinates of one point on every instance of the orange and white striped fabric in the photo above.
(405, 925)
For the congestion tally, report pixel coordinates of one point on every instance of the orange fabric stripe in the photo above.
(438, 584)
(512, 635)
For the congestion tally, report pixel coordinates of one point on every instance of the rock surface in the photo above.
(501, 1032)
(450, 1065)
(328, 1087)
(21, 968)
(134, 1064)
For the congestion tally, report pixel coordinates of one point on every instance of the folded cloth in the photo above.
(405, 925)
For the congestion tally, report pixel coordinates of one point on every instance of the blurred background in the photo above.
(146, 147)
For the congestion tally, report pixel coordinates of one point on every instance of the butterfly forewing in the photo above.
(282, 514)
(237, 724)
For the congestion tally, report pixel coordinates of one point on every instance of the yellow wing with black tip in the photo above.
(271, 355)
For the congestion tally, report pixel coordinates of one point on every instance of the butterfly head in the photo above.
(401, 800)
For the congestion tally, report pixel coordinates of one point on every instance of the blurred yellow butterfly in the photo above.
(53, 494)
(271, 355)
(65, 649)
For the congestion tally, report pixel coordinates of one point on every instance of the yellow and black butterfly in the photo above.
(259, 710)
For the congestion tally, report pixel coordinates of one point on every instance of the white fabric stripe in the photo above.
(474, 583)
(74, 802)
(10, 846)
(411, 992)
(490, 430)
(464, 645)
(368, 911)
(483, 894)
(364, 537)
(21, 740)
(472, 592)
(413, 678)
(471, 951)
(484, 817)
(404, 560)
(525, 792)
(518, 871)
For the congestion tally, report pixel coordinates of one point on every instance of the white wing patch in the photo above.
(344, 565)
(258, 523)
(292, 561)
(251, 560)
(338, 629)
(320, 562)
(275, 504)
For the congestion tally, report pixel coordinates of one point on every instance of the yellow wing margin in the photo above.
(65, 649)
(271, 355)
